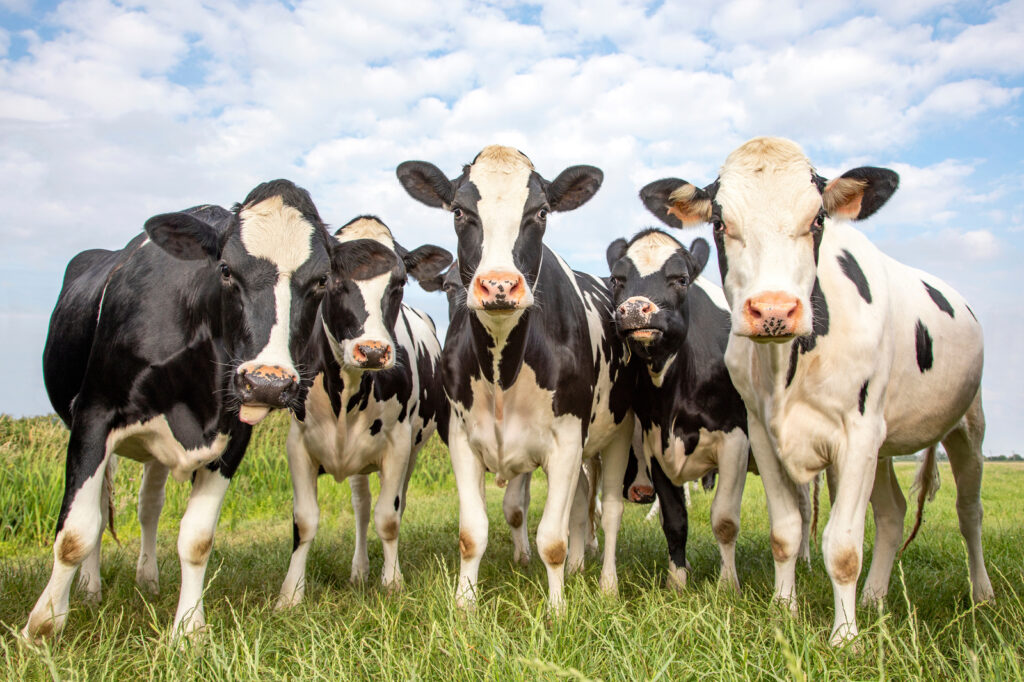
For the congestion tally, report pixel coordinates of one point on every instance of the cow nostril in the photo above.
(646, 309)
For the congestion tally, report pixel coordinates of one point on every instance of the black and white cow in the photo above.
(167, 351)
(676, 325)
(843, 357)
(377, 396)
(530, 363)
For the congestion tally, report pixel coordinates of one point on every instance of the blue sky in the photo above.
(112, 112)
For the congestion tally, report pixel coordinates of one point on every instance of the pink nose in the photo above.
(499, 290)
(641, 493)
(772, 313)
(371, 354)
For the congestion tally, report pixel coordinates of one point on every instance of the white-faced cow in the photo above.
(377, 396)
(843, 357)
(167, 351)
(530, 364)
(676, 325)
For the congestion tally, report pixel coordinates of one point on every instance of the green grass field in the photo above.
(928, 630)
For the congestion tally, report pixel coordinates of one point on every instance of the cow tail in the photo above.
(926, 482)
(816, 493)
(108, 492)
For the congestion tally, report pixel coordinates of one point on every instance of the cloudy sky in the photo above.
(112, 112)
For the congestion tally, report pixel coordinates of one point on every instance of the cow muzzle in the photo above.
(372, 355)
(500, 292)
(641, 494)
(773, 316)
(634, 318)
(263, 388)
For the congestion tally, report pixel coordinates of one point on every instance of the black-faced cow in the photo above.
(530, 363)
(675, 324)
(843, 357)
(167, 351)
(376, 399)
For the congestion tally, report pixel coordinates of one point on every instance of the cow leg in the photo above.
(563, 471)
(783, 513)
(151, 503)
(614, 460)
(89, 580)
(469, 479)
(842, 542)
(195, 541)
(578, 524)
(593, 471)
(515, 505)
(963, 446)
(305, 519)
(79, 525)
(360, 486)
(803, 493)
(686, 493)
(655, 510)
(725, 508)
(674, 524)
(387, 517)
(889, 509)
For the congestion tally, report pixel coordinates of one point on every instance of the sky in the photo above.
(113, 112)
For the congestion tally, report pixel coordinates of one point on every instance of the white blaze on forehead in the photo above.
(367, 228)
(501, 176)
(277, 232)
(649, 253)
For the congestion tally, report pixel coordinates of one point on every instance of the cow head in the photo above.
(364, 296)
(769, 210)
(650, 277)
(271, 261)
(500, 205)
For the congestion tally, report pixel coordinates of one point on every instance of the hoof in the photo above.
(610, 586)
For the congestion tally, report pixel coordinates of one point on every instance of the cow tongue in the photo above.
(253, 414)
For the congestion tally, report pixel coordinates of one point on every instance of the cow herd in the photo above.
(819, 353)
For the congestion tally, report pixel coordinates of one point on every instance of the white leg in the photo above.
(654, 511)
(725, 507)
(578, 524)
(686, 493)
(614, 460)
(563, 471)
(360, 486)
(386, 515)
(151, 503)
(305, 518)
(195, 541)
(806, 515)
(469, 479)
(516, 505)
(89, 580)
(963, 446)
(593, 470)
(889, 509)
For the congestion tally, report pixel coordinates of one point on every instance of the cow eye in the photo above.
(818, 223)
(322, 282)
(458, 213)
(719, 226)
(542, 214)
(681, 281)
(225, 271)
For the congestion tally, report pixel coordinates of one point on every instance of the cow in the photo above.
(675, 325)
(376, 397)
(169, 351)
(843, 356)
(530, 364)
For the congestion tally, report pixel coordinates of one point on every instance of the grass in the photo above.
(929, 629)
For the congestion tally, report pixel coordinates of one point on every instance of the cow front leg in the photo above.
(674, 524)
(151, 504)
(725, 508)
(305, 519)
(889, 509)
(359, 484)
(842, 542)
(89, 580)
(563, 472)
(469, 479)
(195, 542)
(387, 517)
(516, 505)
(783, 513)
(79, 525)
(578, 518)
(614, 460)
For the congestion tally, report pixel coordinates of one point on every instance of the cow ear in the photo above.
(427, 264)
(699, 253)
(184, 236)
(616, 250)
(426, 183)
(677, 203)
(858, 193)
(574, 187)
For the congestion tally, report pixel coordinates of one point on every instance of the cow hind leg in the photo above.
(890, 509)
(614, 460)
(387, 516)
(578, 518)
(725, 508)
(151, 504)
(963, 446)
(516, 505)
(79, 525)
(675, 525)
(305, 521)
(360, 486)
(89, 580)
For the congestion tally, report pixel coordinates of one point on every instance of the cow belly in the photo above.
(153, 439)
(680, 467)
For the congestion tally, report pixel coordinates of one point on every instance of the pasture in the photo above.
(929, 628)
